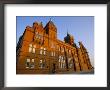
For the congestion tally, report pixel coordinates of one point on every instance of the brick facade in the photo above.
(40, 52)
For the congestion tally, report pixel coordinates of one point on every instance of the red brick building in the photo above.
(40, 52)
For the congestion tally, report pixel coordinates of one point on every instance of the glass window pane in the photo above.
(44, 52)
(30, 45)
(33, 50)
(28, 60)
(30, 49)
(41, 51)
(32, 60)
(27, 63)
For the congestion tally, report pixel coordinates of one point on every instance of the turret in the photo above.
(69, 39)
(51, 30)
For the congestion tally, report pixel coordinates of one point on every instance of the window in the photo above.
(42, 64)
(30, 47)
(64, 65)
(27, 63)
(61, 62)
(34, 48)
(62, 57)
(44, 51)
(39, 38)
(70, 62)
(41, 50)
(32, 63)
(70, 65)
(52, 53)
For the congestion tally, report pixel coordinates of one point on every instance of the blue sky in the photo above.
(81, 27)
